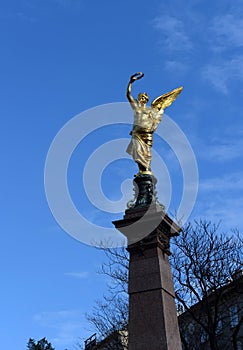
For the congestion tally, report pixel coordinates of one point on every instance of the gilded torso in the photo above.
(147, 118)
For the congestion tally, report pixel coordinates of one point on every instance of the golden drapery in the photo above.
(140, 146)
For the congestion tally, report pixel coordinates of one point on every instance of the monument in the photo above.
(152, 313)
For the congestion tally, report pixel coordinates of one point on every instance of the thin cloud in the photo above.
(80, 275)
(228, 31)
(68, 3)
(228, 182)
(17, 16)
(222, 152)
(175, 67)
(172, 32)
(218, 44)
(225, 34)
(221, 208)
(219, 75)
(44, 7)
(65, 323)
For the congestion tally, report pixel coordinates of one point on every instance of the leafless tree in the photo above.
(110, 315)
(204, 263)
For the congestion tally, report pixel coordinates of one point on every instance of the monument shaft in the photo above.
(152, 313)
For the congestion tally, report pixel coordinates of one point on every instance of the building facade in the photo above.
(217, 320)
(117, 340)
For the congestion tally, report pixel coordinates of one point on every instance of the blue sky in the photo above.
(61, 57)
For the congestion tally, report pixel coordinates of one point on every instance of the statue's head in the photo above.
(143, 97)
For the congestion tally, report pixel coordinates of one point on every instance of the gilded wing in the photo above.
(166, 100)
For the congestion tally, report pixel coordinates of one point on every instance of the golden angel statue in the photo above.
(146, 121)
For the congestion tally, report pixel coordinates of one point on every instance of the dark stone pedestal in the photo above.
(152, 312)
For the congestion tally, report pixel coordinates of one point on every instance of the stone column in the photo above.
(152, 312)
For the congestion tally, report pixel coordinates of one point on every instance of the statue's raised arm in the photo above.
(133, 78)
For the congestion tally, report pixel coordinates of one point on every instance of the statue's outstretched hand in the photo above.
(136, 76)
